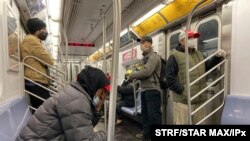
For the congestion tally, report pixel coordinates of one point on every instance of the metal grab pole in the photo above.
(104, 43)
(104, 65)
(66, 52)
(115, 58)
(187, 60)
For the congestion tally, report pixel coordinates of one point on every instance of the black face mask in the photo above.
(43, 35)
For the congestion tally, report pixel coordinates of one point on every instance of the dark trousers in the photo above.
(151, 110)
(39, 91)
(119, 106)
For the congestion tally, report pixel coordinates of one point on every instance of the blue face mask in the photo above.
(96, 100)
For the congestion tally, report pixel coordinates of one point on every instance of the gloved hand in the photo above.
(118, 88)
(221, 53)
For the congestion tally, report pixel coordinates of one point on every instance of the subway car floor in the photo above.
(124, 132)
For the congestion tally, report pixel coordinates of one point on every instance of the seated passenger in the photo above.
(71, 114)
(126, 91)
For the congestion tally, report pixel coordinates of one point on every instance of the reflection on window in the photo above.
(35, 6)
(77, 69)
(208, 41)
(13, 43)
(174, 41)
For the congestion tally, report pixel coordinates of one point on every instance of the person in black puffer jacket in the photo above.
(71, 114)
(126, 91)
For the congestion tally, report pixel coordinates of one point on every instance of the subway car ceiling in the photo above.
(82, 20)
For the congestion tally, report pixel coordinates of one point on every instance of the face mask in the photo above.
(191, 43)
(43, 35)
(96, 100)
(143, 48)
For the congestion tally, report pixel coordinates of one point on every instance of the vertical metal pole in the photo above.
(226, 79)
(187, 61)
(66, 52)
(104, 43)
(104, 65)
(115, 58)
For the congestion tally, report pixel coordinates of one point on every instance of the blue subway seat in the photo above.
(132, 110)
(14, 114)
(236, 110)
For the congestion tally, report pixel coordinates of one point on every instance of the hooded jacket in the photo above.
(70, 115)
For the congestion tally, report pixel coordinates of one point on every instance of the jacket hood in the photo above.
(92, 79)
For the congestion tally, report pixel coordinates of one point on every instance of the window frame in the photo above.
(213, 17)
(6, 10)
(168, 39)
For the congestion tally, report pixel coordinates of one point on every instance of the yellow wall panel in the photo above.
(151, 24)
(180, 8)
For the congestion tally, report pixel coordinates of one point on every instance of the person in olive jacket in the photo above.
(72, 114)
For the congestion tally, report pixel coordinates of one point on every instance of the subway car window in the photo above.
(208, 41)
(13, 43)
(174, 40)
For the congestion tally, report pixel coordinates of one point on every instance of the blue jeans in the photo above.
(151, 110)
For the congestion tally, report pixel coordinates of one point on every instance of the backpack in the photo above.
(162, 78)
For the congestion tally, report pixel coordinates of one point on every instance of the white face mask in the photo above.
(191, 43)
(96, 100)
(143, 48)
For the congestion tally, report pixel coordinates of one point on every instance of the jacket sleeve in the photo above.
(126, 90)
(76, 121)
(148, 69)
(172, 75)
(209, 64)
(38, 51)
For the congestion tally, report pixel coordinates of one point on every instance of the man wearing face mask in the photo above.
(72, 114)
(31, 46)
(176, 77)
(151, 91)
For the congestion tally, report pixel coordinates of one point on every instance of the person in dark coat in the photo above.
(126, 91)
(72, 114)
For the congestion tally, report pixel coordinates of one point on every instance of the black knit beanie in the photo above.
(34, 25)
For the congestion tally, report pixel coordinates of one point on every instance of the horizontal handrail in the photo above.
(43, 63)
(203, 90)
(40, 85)
(43, 74)
(204, 104)
(217, 109)
(207, 102)
(225, 93)
(35, 95)
(203, 61)
(32, 108)
(205, 74)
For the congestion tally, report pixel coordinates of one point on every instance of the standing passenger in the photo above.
(176, 78)
(72, 114)
(31, 46)
(151, 91)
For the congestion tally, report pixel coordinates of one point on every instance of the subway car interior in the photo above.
(104, 34)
